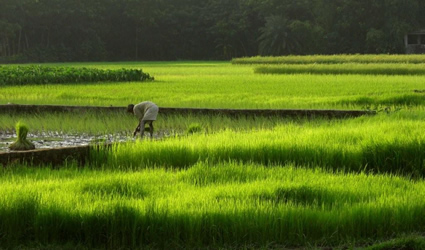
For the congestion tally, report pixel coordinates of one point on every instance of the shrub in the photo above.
(37, 74)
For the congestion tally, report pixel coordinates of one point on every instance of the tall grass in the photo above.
(225, 205)
(347, 68)
(377, 145)
(331, 59)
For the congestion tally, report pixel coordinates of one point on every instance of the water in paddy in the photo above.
(57, 140)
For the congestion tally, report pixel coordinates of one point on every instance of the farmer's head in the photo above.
(130, 108)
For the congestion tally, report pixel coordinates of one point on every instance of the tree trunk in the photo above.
(26, 41)
(137, 41)
(19, 41)
(7, 46)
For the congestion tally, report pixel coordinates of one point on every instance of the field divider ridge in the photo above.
(53, 157)
(311, 113)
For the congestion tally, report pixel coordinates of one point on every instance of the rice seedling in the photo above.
(225, 205)
(101, 123)
(376, 145)
(21, 143)
(331, 59)
(194, 128)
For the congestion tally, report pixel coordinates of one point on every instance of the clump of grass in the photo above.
(194, 128)
(21, 143)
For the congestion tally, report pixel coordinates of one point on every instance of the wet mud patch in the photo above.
(51, 139)
(57, 140)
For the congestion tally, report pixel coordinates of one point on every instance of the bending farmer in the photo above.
(146, 112)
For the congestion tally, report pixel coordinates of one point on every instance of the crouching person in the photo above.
(146, 112)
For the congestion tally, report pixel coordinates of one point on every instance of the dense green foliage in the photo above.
(222, 85)
(332, 59)
(348, 68)
(229, 205)
(74, 30)
(38, 74)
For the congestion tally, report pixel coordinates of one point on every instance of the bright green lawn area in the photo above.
(223, 85)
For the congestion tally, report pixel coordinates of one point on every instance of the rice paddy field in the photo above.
(219, 182)
(226, 85)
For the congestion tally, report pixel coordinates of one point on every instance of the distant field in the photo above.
(344, 68)
(331, 59)
(223, 85)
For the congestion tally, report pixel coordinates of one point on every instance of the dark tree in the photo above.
(94, 30)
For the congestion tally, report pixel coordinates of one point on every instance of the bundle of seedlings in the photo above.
(21, 142)
(194, 128)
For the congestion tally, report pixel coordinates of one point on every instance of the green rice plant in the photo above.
(194, 128)
(228, 205)
(116, 123)
(18, 216)
(21, 142)
(346, 68)
(38, 74)
(383, 145)
(331, 59)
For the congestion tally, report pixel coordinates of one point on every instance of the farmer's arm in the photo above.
(137, 129)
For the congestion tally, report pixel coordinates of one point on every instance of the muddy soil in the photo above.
(57, 139)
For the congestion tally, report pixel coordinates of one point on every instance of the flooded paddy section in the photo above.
(57, 140)
(53, 139)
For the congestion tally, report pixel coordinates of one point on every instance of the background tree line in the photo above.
(91, 30)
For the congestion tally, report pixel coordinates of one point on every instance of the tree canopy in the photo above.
(93, 30)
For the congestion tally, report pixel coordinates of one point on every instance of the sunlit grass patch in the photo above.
(207, 205)
(384, 144)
